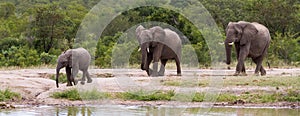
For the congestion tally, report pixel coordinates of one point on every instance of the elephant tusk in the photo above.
(148, 50)
(231, 43)
(221, 43)
(139, 49)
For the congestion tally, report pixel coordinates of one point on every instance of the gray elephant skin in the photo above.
(157, 44)
(250, 40)
(74, 60)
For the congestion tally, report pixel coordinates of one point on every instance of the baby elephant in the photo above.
(78, 59)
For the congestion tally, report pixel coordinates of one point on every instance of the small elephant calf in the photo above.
(75, 59)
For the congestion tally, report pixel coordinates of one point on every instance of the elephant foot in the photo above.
(263, 73)
(149, 72)
(236, 74)
(75, 81)
(179, 74)
(89, 81)
(161, 74)
(243, 74)
(82, 82)
(256, 74)
(154, 75)
(239, 74)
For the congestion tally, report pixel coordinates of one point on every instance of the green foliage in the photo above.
(47, 58)
(19, 56)
(45, 28)
(198, 97)
(291, 96)
(62, 78)
(74, 94)
(145, 96)
(6, 95)
(286, 48)
(71, 94)
(94, 94)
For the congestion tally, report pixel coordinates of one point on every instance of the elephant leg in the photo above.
(244, 51)
(83, 77)
(156, 57)
(178, 66)
(149, 59)
(162, 67)
(263, 72)
(88, 77)
(69, 78)
(243, 72)
(155, 68)
(259, 68)
(74, 73)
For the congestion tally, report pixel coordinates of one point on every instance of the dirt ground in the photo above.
(35, 85)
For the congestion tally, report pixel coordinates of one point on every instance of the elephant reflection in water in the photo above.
(157, 44)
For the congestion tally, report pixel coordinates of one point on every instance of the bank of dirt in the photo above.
(36, 87)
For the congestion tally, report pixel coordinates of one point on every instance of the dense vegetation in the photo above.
(35, 32)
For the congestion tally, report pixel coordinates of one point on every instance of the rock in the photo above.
(4, 105)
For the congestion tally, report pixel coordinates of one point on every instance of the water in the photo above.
(123, 110)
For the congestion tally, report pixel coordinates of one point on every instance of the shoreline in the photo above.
(36, 87)
(175, 104)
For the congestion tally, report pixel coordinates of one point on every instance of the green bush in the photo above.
(47, 58)
(20, 56)
(6, 95)
(284, 49)
(71, 94)
(62, 78)
(144, 96)
(74, 94)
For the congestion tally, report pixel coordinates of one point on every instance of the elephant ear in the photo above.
(249, 31)
(68, 57)
(138, 32)
(158, 34)
(238, 27)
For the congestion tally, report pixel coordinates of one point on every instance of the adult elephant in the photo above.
(250, 40)
(158, 44)
(75, 59)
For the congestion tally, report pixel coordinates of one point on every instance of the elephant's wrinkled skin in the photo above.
(250, 40)
(75, 59)
(158, 44)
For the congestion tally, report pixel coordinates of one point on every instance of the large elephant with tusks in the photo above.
(250, 40)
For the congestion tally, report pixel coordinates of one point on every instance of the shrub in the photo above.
(9, 95)
(47, 58)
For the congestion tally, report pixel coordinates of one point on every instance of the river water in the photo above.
(124, 110)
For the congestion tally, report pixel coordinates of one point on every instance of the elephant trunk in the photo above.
(228, 52)
(144, 65)
(58, 67)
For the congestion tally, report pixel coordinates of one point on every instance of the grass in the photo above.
(144, 96)
(268, 81)
(74, 94)
(62, 78)
(7, 95)
(171, 95)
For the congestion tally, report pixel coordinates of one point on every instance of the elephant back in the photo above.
(81, 57)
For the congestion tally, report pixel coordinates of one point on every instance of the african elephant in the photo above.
(250, 40)
(78, 59)
(157, 44)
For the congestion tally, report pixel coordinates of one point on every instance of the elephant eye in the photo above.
(236, 32)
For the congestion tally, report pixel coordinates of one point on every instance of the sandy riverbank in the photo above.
(36, 87)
